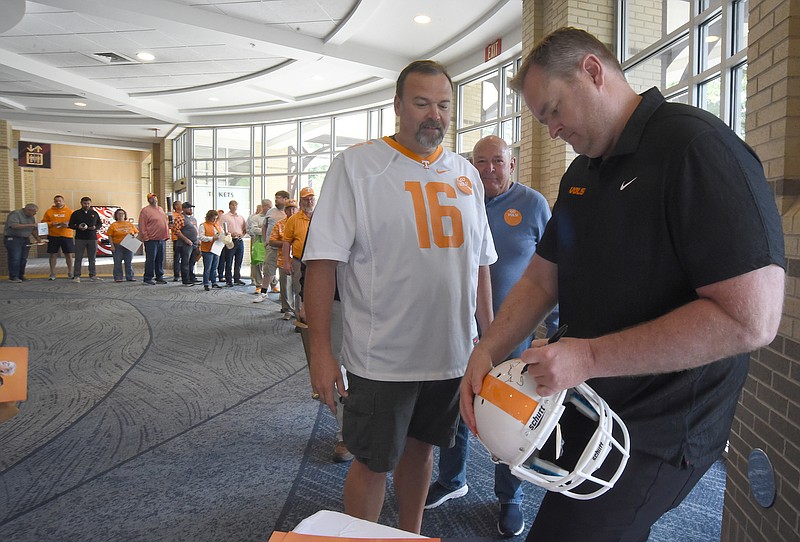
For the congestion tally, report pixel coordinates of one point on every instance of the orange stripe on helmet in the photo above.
(509, 399)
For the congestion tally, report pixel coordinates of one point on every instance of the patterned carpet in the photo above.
(320, 481)
(171, 413)
(154, 413)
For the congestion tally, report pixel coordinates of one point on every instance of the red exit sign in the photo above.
(493, 49)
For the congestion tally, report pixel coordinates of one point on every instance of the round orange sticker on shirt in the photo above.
(513, 217)
(465, 185)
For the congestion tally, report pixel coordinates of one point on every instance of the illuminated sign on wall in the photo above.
(33, 154)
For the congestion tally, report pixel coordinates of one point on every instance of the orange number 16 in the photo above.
(438, 212)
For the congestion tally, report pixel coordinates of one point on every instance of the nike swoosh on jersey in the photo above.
(625, 185)
(440, 171)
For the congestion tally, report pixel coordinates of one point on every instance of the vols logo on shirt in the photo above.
(512, 217)
(577, 190)
(464, 185)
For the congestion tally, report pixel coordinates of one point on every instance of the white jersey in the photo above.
(410, 233)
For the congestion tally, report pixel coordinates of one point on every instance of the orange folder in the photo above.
(15, 387)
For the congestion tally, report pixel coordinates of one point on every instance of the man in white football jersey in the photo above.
(401, 227)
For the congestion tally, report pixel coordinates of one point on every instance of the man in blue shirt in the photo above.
(517, 218)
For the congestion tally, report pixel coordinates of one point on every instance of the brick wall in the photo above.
(769, 411)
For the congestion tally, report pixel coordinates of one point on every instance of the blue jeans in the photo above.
(187, 262)
(176, 259)
(233, 261)
(17, 249)
(122, 255)
(154, 260)
(210, 263)
(453, 470)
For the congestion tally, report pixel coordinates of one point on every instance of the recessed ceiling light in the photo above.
(145, 56)
(80, 104)
(317, 77)
(213, 99)
(422, 19)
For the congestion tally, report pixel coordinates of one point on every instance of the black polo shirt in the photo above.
(680, 203)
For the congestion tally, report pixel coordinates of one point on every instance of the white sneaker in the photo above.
(260, 298)
(52, 277)
(95, 279)
(76, 279)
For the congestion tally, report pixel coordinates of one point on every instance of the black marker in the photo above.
(554, 339)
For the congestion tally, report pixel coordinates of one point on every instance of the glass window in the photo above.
(388, 121)
(315, 135)
(285, 181)
(203, 143)
(739, 77)
(695, 64)
(664, 69)
(233, 142)
(710, 96)
(234, 188)
(250, 162)
(478, 99)
(645, 22)
(203, 196)
(350, 129)
(316, 162)
(511, 100)
(486, 106)
(281, 139)
(741, 15)
(711, 40)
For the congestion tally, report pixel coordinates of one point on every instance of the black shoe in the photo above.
(176, 279)
(510, 523)
(215, 285)
(206, 288)
(195, 279)
(161, 281)
(188, 283)
(150, 282)
(240, 283)
(228, 285)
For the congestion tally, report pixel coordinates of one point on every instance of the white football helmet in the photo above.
(523, 430)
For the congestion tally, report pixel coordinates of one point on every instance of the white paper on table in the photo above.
(43, 229)
(131, 243)
(217, 247)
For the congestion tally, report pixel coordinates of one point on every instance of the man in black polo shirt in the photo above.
(665, 255)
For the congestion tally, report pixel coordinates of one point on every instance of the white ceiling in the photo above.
(260, 60)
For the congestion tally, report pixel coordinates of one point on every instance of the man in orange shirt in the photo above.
(59, 235)
(294, 240)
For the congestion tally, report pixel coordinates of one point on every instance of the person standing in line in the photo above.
(517, 217)
(273, 216)
(153, 232)
(210, 231)
(177, 213)
(188, 235)
(221, 257)
(276, 241)
(294, 240)
(117, 232)
(86, 222)
(20, 226)
(665, 255)
(59, 235)
(236, 226)
(401, 229)
(255, 225)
